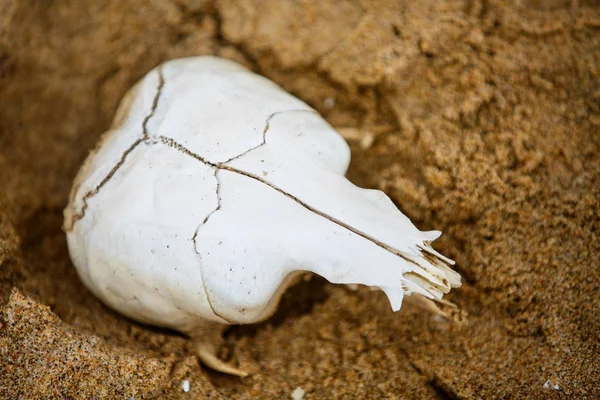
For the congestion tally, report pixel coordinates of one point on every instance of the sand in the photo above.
(478, 118)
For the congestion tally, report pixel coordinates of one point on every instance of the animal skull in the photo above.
(214, 189)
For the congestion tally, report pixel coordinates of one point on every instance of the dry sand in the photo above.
(485, 120)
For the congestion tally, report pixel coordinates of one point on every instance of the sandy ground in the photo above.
(478, 118)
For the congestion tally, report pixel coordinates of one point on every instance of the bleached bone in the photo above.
(214, 190)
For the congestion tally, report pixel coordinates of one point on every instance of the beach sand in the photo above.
(479, 118)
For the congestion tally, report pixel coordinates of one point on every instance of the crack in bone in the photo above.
(418, 275)
(89, 194)
(217, 208)
(159, 88)
(218, 200)
(264, 135)
(181, 148)
(210, 304)
(81, 213)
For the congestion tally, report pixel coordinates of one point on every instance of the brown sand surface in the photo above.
(479, 118)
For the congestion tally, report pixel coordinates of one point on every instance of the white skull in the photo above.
(215, 188)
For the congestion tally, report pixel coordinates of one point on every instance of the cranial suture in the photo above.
(214, 190)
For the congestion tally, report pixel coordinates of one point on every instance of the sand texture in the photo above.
(478, 118)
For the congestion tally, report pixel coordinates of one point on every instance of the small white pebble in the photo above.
(352, 286)
(439, 318)
(556, 387)
(367, 140)
(186, 386)
(298, 393)
(329, 102)
(547, 384)
(349, 133)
